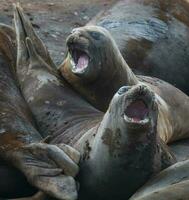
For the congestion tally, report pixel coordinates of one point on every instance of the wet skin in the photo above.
(152, 37)
(95, 68)
(21, 145)
(64, 116)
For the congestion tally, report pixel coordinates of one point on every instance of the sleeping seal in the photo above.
(152, 36)
(112, 146)
(95, 67)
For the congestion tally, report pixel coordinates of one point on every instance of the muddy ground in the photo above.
(54, 19)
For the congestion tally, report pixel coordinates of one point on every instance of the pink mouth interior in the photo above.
(137, 110)
(83, 61)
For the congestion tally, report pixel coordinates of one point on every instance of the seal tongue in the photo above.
(83, 62)
(137, 110)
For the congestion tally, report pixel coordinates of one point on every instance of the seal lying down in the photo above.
(171, 183)
(116, 148)
(152, 36)
(21, 149)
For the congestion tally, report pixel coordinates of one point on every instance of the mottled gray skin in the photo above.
(122, 155)
(108, 146)
(152, 36)
(21, 145)
(16, 122)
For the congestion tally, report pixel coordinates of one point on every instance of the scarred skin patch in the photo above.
(112, 140)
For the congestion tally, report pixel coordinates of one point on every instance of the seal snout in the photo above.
(139, 102)
(123, 90)
(78, 50)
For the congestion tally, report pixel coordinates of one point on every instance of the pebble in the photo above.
(76, 13)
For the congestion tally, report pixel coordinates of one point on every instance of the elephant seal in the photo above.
(120, 138)
(125, 138)
(22, 151)
(171, 183)
(152, 36)
(95, 67)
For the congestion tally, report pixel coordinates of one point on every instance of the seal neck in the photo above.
(125, 72)
(116, 155)
(117, 71)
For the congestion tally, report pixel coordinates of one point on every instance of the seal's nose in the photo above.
(143, 90)
(75, 31)
(73, 37)
(70, 41)
(123, 90)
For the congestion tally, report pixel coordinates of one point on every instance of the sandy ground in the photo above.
(54, 19)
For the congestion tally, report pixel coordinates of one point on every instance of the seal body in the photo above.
(152, 37)
(64, 116)
(94, 66)
(24, 156)
(17, 125)
(171, 183)
(125, 148)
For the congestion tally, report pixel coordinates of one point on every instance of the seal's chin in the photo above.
(137, 112)
(79, 60)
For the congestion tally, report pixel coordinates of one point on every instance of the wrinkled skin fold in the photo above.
(112, 145)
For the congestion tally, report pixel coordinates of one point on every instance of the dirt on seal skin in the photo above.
(54, 19)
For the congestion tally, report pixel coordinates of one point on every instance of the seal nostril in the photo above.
(142, 90)
(73, 30)
(123, 90)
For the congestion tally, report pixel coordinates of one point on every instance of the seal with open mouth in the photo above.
(126, 147)
(152, 36)
(95, 67)
(111, 144)
(94, 63)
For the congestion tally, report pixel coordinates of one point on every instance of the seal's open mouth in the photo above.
(137, 112)
(79, 60)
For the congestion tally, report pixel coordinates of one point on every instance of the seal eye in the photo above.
(123, 90)
(95, 35)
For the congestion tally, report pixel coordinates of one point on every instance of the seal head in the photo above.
(126, 147)
(92, 57)
(86, 52)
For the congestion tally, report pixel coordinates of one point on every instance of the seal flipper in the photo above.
(18, 132)
(27, 29)
(22, 54)
(8, 43)
(34, 59)
(10, 32)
